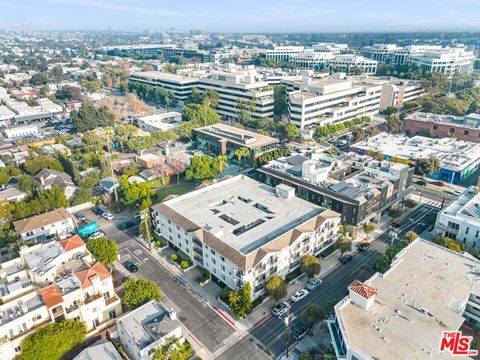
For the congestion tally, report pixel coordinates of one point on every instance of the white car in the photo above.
(96, 235)
(299, 295)
(108, 216)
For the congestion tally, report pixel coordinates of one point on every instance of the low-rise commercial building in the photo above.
(462, 127)
(54, 224)
(458, 158)
(160, 122)
(460, 220)
(242, 231)
(222, 139)
(403, 313)
(143, 330)
(20, 131)
(357, 187)
(51, 282)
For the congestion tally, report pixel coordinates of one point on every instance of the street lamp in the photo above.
(287, 332)
(144, 216)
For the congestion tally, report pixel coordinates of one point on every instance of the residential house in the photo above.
(46, 178)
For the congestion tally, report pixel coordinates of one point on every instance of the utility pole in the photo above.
(144, 216)
(287, 331)
(111, 170)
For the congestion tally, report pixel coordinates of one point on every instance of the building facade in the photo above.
(353, 64)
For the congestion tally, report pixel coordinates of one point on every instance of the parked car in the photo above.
(98, 210)
(81, 217)
(176, 144)
(438, 183)
(345, 259)
(313, 284)
(299, 331)
(130, 266)
(96, 235)
(456, 193)
(299, 295)
(363, 246)
(281, 309)
(108, 216)
(421, 183)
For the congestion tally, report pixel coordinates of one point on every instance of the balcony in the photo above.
(90, 299)
(72, 308)
(111, 300)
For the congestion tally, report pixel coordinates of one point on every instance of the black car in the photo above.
(346, 259)
(81, 217)
(363, 246)
(131, 266)
(421, 183)
(98, 210)
(128, 224)
(299, 331)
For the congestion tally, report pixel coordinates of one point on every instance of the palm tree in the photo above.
(222, 162)
(242, 152)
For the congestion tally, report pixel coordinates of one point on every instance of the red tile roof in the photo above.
(72, 243)
(362, 289)
(97, 269)
(51, 295)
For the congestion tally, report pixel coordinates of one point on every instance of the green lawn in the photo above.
(177, 189)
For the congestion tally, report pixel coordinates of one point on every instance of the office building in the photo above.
(54, 224)
(465, 128)
(283, 53)
(222, 139)
(330, 101)
(160, 122)
(458, 159)
(380, 52)
(403, 313)
(241, 230)
(20, 132)
(352, 64)
(179, 85)
(396, 92)
(316, 61)
(445, 60)
(460, 220)
(330, 48)
(357, 187)
(50, 282)
(142, 330)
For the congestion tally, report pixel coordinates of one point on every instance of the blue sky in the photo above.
(243, 15)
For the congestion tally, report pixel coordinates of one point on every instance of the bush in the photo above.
(174, 257)
(184, 264)
(409, 203)
(395, 213)
(203, 277)
(139, 292)
(293, 275)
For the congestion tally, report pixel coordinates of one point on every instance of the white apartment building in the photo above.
(330, 101)
(51, 282)
(160, 122)
(283, 53)
(402, 313)
(241, 230)
(143, 330)
(460, 220)
(353, 64)
(234, 84)
(445, 60)
(316, 61)
(53, 224)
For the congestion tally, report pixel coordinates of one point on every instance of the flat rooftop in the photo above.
(470, 120)
(236, 135)
(161, 75)
(466, 207)
(453, 154)
(422, 295)
(243, 213)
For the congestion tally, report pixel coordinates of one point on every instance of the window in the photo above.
(466, 132)
(222, 258)
(223, 267)
(17, 349)
(95, 323)
(435, 127)
(106, 295)
(112, 314)
(466, 231)
(212, 251)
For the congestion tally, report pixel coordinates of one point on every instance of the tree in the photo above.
(53, 198)
(377, 155)
(54, 340)
(133, 193)
(344, 244)
(279, 100)
(171, 349)
(411, 235)
(393, 123)
(448, 243)
(35, 164)
(139, 292)
(222, 162)
(310, 265)
(202, 167)
(201, 114)
(68, 92)
(186, 128)
(292, 131)
(240, 301)
(103, 249)
(390, 110)
(367, 228)
(358, 134)
(363, 272)
(382, 263)
(39, 79)
(146, 224)
(275, 287)
(425, 166)
(313, 314)
(88, 117)
(57, 74)
(241, 153)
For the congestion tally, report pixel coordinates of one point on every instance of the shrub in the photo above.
(174, 257)
(184, 264)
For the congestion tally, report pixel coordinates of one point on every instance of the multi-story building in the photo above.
(352, 64)
(462, 127)
(460, 220)
(283, 53)
(316, 61)
(51, 282)
(329, 101)
(380, 52)
(233, 85)
(54, 224)
(357, 187)
(143, 330)
(396, 92)
(330, 48)
(445, 60)
(458, 158)
(160, 122)
(45, 179)
(222, 139)
(403, 313)
(179, 85)
(241, 230)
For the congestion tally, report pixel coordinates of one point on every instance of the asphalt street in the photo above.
(268, 340)
(202, 321)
